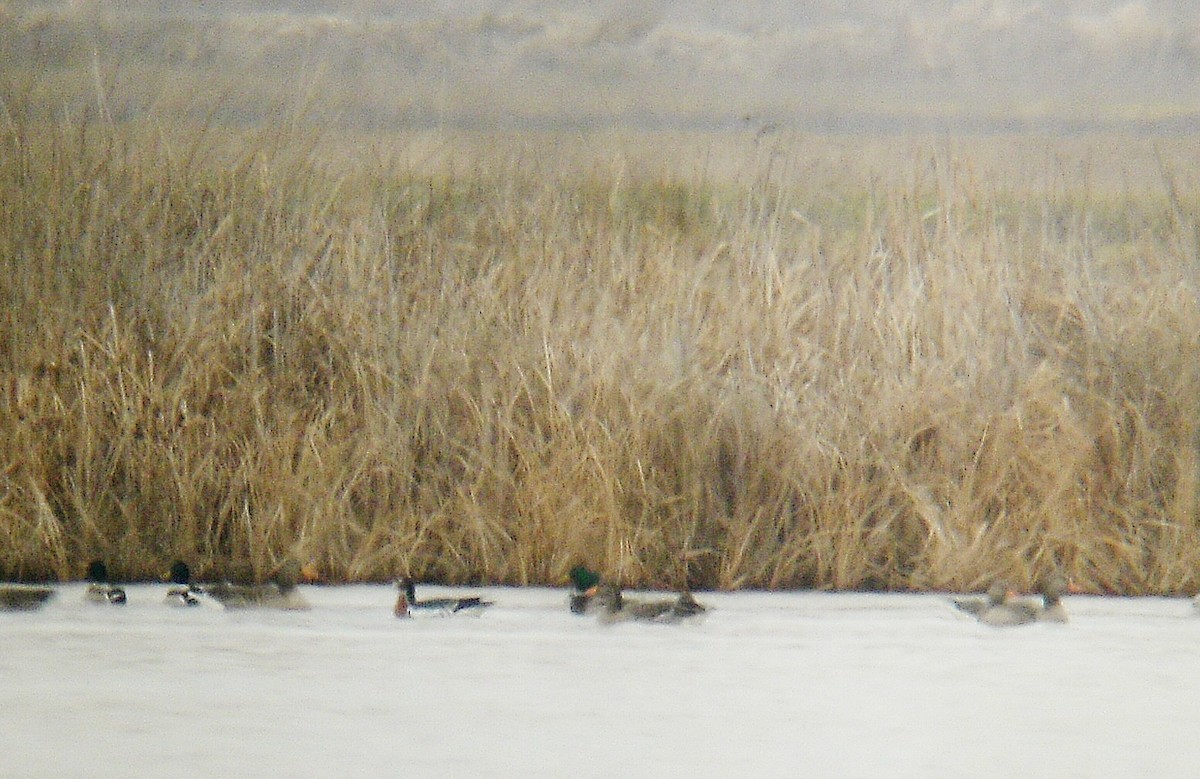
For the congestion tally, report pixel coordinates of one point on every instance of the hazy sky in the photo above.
(823, 64)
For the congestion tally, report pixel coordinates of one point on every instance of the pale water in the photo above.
(900, 65)
(825, 685)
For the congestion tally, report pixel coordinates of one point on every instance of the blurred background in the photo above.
(820, 66)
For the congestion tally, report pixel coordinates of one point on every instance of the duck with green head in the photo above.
(585, 583)
(281, 592)
(183, 592)
(100, 589)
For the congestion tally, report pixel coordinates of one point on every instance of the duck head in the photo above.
(97, 572)
(584, 585)
(1053, 589)
(406, 598)
(584, 579)
(180, 573)
(287, 576)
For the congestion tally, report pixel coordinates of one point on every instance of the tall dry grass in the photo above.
(742, 362)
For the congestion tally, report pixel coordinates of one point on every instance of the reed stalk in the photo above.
(802, 366)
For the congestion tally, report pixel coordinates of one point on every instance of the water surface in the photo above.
(767, 685)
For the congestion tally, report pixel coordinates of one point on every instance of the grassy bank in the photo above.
(740, 362)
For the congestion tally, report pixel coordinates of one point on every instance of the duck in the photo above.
(999, 607)
(686, 606)
(995, 596)
(1014, 611)
(1052, 609)
(615, 607)
(1049, 608)
(1010, 612)
(279, 593)
(585, 583)
(184, 592)
(20, 597)
(99, 589)
(407, 604)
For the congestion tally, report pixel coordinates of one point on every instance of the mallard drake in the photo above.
(20, 597)
(615, 607)
(279, 593)
(99, 589)
(585, 583)
(407, 604)
(183, 592)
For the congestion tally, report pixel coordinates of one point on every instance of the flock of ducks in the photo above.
(279, 593)
(1002, 608)
(589, 595)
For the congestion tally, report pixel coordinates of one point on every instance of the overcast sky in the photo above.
(817, 64)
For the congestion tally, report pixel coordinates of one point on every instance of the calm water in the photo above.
(767, 685)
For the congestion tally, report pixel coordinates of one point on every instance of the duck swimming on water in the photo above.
(20, 597)
(407, 604)
(996, 595)
(615, 607)
(279, 593)
(1010, 612)
(585, 583)
(1052, 609)
(1003, 609)
(183, 592)
(100, 589)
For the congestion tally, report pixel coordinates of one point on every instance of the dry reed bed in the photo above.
(483, 364)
